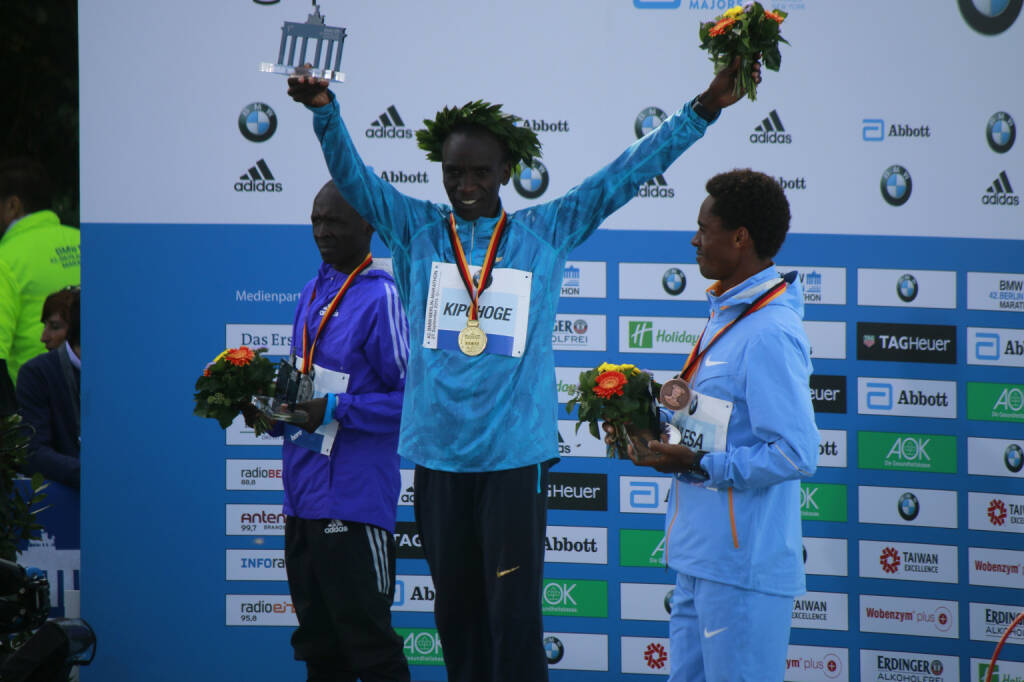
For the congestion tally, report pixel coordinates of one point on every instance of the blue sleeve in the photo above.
(34, 406)
(781, 419)
(579, 212)
(392, 214)
(387, 351)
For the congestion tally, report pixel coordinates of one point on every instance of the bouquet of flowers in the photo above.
(229, 383)
(745, 31)
(620, 395)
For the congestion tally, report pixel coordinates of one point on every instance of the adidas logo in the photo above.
(389, 125)
(771, 131)
(656, 188)
(258, 179)
(335, 526)
(1000, 193)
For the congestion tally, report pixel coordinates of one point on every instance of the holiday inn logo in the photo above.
(641, 334)
(906, 452)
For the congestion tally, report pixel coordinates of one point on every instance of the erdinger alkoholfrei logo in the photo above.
(258, 179)
(554, 650)
(896, 185)
(771, 131)
(990, 16)
(389, 125)
(1013, 458)
(647, 120)
(257, 122)
(531, 181)
(908, 506)
(906, 287)
(673, 281)
(1000, 192)
(580, 326)
(1000, 131)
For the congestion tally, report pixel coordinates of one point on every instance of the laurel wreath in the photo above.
(520, 142)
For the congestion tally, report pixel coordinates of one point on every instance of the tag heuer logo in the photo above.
(869, 340)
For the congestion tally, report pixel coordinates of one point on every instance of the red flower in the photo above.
(773, 16)
(720, 28)
(240, 357)
(609, 384)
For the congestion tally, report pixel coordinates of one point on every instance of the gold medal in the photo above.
(472, 339)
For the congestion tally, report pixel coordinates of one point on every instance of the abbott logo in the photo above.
(873, 130)
(641, 334)
(986, 346)
(643, 495)
(879, 396)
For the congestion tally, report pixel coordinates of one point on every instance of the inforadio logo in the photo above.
(896, 185)
(531, 181)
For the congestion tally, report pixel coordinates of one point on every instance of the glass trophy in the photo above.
(299, 40)
(291, 388)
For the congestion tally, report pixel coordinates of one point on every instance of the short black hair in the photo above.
(26, 179)
(751, 199)
(59, 302)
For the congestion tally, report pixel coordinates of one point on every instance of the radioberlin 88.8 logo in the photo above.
(896, 185)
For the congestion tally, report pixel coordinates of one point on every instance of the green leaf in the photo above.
(594, 430)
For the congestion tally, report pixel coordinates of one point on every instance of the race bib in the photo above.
(322, 440)
(503, 309)
(704, 425)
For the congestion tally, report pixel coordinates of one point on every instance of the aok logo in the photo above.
(807, 502)
(1011, 399)
(419, 644)
(559, 594)
(909, 449)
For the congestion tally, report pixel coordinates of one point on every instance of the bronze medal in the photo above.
(472, 339)
(675, 394)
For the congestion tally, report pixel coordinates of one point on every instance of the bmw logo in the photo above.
(553, 649)
(257, 122)
(693, 404)
(668, 601)
(896, 185)
(673, 281)
(906, 288)
(990, 16)
(647, 120)
(908, 506)
(580, 326)
(531, 181)
(1000, 132)
(805, 554)
(1013, 457)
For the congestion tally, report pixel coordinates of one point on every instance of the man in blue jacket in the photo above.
(480, 411)
(748, 437)
(341, 476)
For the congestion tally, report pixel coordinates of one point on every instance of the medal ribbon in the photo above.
(307, 351)
(485, 270)
(693, 361)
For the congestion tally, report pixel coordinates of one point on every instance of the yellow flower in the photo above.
(735, 11)
(607, 367)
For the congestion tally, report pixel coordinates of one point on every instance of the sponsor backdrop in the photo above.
(904, 181)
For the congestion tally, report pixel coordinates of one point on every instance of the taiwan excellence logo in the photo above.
(531, 181)
(890, 560)
(908, 506)
(1013, 458)
(990, 17)
(896, 185)
(257, 122)
(1000, 132)
(997, 512)
(673, 281)
(655, 656)
(907, 288)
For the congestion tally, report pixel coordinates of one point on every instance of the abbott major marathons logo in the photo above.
(258, 179)
(531, 181)
(906, 287)
(673, 281)
(257, 122)
(554, 650)
(1013, 458)
(990, 16)
(890, 560)
(1000, 131)
(1000, 193)
(647, 120)
(896, 185)
(997, 512)
(389, 125)
(771, 131)
(908, 506)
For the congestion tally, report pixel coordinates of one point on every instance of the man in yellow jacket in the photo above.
(38, 256)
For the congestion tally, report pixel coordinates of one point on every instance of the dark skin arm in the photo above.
(314, 408)
(719, 94)
(648, 451)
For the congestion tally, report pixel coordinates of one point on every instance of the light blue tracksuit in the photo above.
(735, 540)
